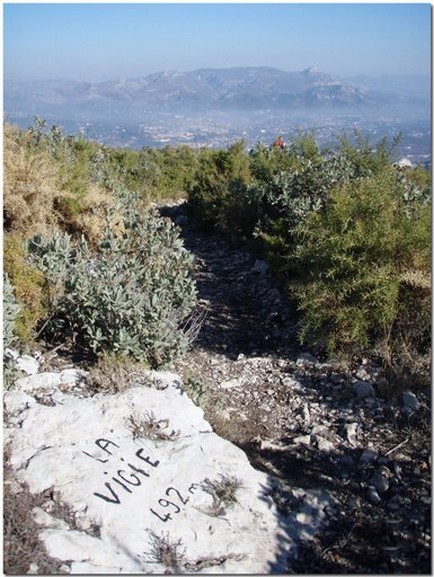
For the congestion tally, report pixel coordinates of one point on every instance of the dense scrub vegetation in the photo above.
(347, 230)
(86, 258)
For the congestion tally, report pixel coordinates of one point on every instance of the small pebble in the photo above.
(373, 496)
(380, 483)
(369, 456)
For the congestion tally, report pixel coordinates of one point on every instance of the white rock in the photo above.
(57, 398)
(231, 384)
(306, 414)
(11, 354)
(373, 495)
(27, 364)
(291, 383)
(270, 446)
(302, 440)
(41, 517)
(135, 487)
(85, 568)
(50, 381)
(15, 402)
(324, 445)
(306, 359)
(363, 374)
(72, 376)
(42, 381)
(320, 430)
(351, 432)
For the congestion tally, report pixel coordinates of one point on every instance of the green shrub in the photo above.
(218, 179)
(280, 204)
(155, 174)
(357, 255)
(29, 286)
(366, 158)
(130, 296)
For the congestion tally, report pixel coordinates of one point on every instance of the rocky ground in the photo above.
(310, 422)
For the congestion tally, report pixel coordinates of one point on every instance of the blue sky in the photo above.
(102, 41)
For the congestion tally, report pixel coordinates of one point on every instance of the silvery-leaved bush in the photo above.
(130, 296)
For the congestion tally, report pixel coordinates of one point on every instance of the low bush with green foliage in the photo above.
(218, 180)
(356, 255)
(61, 188)
(349, 231)
(29, 285)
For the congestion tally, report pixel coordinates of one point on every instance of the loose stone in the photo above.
(373, 496)
(369, 456)
(410, 401)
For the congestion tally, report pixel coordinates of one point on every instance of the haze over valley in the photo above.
(215, 107)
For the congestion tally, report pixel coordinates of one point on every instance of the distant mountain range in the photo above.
(250, 88)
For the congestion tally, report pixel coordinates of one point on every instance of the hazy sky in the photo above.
(102, 41)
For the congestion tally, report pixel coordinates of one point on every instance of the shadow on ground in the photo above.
(357, 537)
(247, 311)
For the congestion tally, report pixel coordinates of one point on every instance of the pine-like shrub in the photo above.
(359, 256)
(132, 295)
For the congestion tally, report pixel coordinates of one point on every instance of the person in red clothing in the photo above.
(279, 143)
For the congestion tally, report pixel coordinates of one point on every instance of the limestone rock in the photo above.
(50, 381)
(144, 468)
(373, 495)
(306, 359)
(351, 434)
(27, 364)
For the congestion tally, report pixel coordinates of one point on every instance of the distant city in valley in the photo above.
(216, 107)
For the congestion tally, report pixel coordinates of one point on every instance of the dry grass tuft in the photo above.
(88, 215)
(225, 488)
(223, 492)
(147, 426)
(22, 547)
(30, 188)
(166, 552)
(113, 374)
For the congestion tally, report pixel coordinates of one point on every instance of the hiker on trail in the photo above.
(279, 143)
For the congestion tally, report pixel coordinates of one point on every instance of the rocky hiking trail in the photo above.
(276, 460)
(309, 424)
